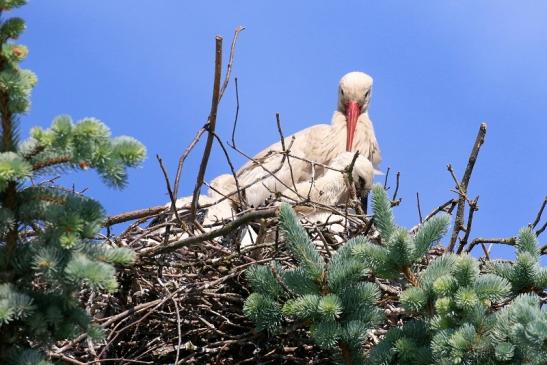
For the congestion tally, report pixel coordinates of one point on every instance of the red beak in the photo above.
(353, 110)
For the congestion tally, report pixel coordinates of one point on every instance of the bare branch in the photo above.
(183, 158)
(238, 30)
(419, 208)
(473, 207)
(504, 241)
(282, 138)
(539, 214)
(269, 172)
(169, 191)
(134, 214)
(218, 92)
(541, 229)
(237, 114)
(210, 126)
(229, 227)
(445, 207)
(394, 200)
(232, 170)
(462, 187)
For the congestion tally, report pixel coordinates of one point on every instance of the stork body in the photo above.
(332, 188)
(329, 190)
(351, 130)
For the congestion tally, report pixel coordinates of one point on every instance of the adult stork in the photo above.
(351, 130)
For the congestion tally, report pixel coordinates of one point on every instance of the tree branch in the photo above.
(504, 241)
(51, 162)
(539, 214)
(134, 214)
(473, 207)
(183, 158)
(210, 126)
(462, 187)
(229, 227)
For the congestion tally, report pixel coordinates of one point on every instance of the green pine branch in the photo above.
(42, 273)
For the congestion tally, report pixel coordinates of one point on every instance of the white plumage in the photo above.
(350, 130)
(331, 145)
(332, 188)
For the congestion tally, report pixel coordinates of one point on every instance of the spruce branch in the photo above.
(50, 246)
(51, 162)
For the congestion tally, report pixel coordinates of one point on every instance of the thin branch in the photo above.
(445, 207)
(486, 251)
(349, 169)
(505, 241)
(280, 281)
(541, 230)
(539, 214)
(218, 92)
(282, 138)
(229, 227)
(394, 200)
(473, 207)
(232, 170)
(238, 30)
(385, 179)
(459, 190)
(134, 214)
(177, 312)
(458, 223)
(268, 171)
(352, 190)
(237, 114)
(65, 358)
(169, 191)
(210, 126)
(183, 158)
(419, 208)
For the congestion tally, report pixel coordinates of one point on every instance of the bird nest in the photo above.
(184, 304)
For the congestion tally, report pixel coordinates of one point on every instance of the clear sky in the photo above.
(440, 69)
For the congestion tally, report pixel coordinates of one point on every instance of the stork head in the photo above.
(362, 173)
(353, 98)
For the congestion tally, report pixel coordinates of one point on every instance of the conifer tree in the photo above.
(454, 305)
(456, 312)
(332, 298)
(48, 247)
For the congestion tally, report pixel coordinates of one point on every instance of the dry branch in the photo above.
(229, 227)
(462, 187)
(210, 126)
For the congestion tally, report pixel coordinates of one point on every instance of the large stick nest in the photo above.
(186, 306)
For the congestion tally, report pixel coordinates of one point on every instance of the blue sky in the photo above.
(440, 69)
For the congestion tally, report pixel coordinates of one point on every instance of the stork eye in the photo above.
(367, 94)
(342, 91)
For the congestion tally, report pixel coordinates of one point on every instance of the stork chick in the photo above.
(333, 188)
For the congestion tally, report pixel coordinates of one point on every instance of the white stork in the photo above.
(350, 130)
(329, 190)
